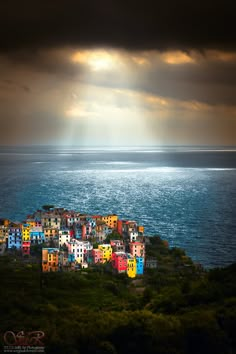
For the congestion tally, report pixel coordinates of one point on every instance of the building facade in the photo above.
(106, 252)
(50, 259)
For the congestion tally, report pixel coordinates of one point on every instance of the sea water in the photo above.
(186, 195)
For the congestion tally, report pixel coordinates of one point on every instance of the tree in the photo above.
(113, 236)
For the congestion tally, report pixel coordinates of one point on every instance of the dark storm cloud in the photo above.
(207, 80)
(128, 24)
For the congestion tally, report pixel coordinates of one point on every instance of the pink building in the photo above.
(97, 256)
(119, 261)
(137, 249)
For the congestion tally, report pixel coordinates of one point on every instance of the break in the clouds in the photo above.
(100, 73)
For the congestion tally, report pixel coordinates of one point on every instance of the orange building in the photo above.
(140, 230)
(50, 259)
(50, 233)
(4, 222)
(111, 220)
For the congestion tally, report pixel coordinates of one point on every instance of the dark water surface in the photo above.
(186, 195)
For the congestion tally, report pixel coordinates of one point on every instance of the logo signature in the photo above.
(24, 341)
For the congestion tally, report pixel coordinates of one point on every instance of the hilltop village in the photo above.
(71, 241)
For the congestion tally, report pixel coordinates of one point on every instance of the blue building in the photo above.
(37, 237)
(14, 238)
(139, 265)
(77, 232)
(71, 257)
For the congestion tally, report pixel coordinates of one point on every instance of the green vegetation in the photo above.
(178, 308)
(114, 235)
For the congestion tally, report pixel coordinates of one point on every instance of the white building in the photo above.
(80, 250)
(72, 219)
(64, 237)
(133, 236)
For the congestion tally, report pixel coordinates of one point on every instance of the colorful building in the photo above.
(51, 221)
(72, 219)
(25, 248)
(131, 266)
(132, 236)
(140, 230)
(33, 222)
(3, 233)
(71, 258)
(37, 235)
(129, 226)
(106, 252)
(117, 245)
(139, 265)
(62, 259)
(120, 227)
(111, 220)
(80, 249)
(97, 256)
(102, 230)
(15, 237)
(74, 230)
(119, 262)
(64, 237)
(50, 233)
(25, 232)
(4, 222)
(50, 259)
(83, 232)
(137, 249)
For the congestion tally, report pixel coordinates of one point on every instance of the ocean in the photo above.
(186, 195)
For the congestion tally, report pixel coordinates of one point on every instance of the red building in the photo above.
(120, 227)
(25, 248)
(119, 261)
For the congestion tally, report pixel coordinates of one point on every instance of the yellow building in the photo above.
(26, 232)
(3, 233)
(106, 252)
(131, 266)
(50, 259)
(110, 220)
(51, 220)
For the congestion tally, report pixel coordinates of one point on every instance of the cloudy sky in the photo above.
(83, 72)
